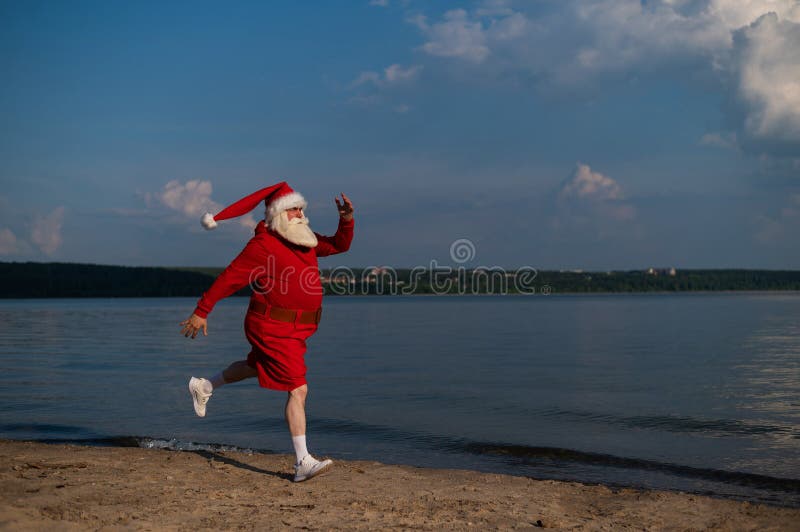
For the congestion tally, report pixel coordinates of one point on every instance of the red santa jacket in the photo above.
(281, 274)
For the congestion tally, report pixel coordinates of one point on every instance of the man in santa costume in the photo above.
(280, 265)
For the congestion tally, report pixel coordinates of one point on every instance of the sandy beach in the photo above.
(66, 487)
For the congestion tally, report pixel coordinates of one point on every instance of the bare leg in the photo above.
(296, 410)
(238, 371)
(307, 466)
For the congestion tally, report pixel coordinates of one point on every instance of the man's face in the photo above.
(296, 212)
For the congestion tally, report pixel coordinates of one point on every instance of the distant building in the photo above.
(662, 271)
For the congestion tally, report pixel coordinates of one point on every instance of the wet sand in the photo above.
(64, 487)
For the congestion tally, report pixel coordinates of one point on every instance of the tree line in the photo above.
(52, 280)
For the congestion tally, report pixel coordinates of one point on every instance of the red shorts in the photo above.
(278, 351)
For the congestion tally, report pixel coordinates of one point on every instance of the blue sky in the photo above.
(606, 134)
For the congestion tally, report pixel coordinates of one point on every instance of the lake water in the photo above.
(691, 392)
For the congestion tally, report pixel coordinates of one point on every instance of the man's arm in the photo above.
(339, 242)
(236, 276)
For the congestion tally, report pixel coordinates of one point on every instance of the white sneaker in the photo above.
(200, 396)
(309, 467)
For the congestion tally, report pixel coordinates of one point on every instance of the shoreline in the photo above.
(432, 295)
(79, 487)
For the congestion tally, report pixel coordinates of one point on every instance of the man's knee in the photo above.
(300, 393)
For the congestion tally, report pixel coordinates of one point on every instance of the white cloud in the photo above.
(8, 242)
(392, 75)
(586, 184)
(509, 27)
(596, 195)
(615, 35)
(193, 199)
(748, 46)
(379, 3)
(736, 14)
(768, 65)
(458, 35)
(46, 231)
(618, 35)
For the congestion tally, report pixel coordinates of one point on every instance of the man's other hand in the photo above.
(193, 324)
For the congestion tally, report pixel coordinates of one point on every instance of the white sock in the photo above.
(300, 447)
(217, 380)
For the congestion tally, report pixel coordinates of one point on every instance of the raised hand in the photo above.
(345, 208)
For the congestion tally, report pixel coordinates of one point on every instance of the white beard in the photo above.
(295, 230)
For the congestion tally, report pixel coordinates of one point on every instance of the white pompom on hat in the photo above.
(277, 199)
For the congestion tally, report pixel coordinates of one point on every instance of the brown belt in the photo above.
(287, 315)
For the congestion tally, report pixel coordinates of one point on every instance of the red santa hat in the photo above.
(277, 199)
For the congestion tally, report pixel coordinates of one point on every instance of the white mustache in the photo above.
(299, 221)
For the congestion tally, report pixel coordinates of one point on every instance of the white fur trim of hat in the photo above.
(285, 202)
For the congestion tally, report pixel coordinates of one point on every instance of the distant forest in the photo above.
(37, 280)
(56, 279)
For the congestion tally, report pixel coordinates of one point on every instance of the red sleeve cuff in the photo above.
(200, 312)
